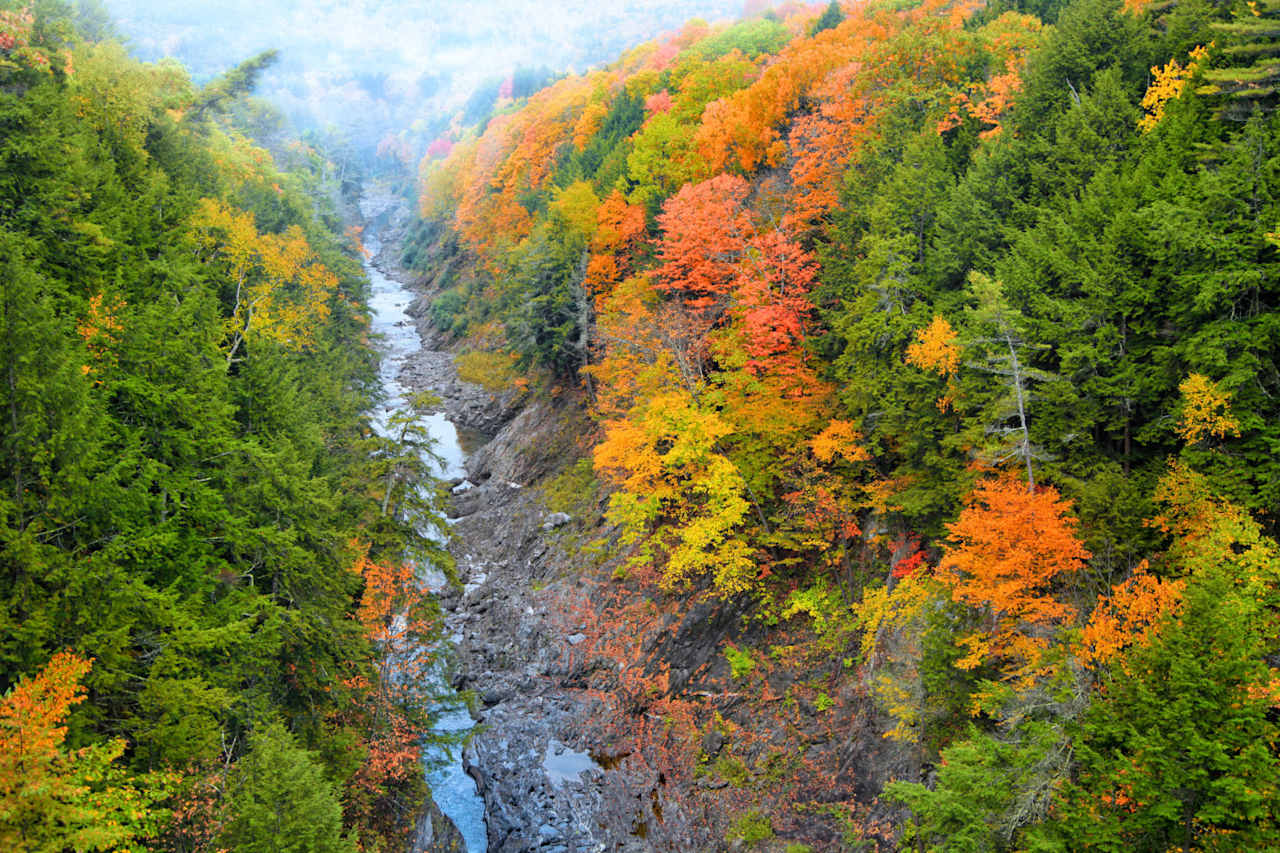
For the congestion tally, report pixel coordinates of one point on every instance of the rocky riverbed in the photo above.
(542, 788)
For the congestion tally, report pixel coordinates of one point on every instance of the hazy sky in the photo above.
(392, 64)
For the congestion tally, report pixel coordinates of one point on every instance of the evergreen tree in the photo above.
(829, 19)
(280, 802)
(1251, 43)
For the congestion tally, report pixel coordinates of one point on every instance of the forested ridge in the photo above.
(929, 352)
(935, 342)
(202, 549)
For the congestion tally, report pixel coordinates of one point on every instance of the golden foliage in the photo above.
(494, 371)
(100, 330)
(1210, 533)
(1168, 83)
(1206, 410)
(282, 291)
(576, 206)
(588, 123)
(839, 438)
(892, 623)
(935, 348)
(664, 457)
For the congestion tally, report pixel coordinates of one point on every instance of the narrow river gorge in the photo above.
(528, 779)
(452, 789)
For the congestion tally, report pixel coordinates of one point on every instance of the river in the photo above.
(453, 790)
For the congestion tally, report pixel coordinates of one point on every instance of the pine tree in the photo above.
(829, 19)
(1252, 39)
(279, 800)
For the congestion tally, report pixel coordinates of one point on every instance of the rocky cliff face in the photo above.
(435, 833)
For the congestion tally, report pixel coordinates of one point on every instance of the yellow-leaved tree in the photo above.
(1206, 410)
(281, 290)
(665, 458)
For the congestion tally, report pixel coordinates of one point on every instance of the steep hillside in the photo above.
(205, 588)
(929, 351)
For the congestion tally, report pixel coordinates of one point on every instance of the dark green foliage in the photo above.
(279, 800)
(1046, 10)
(447, 311)
(1178, 751)
(189, 523)
(1129, 261)
(1134, 261)
(879, 290)
(829, 19)
(946, 690)
(604, 161)
(428, 240)
(986, 791)
(550, 309)
(1250, 45)
(1090, 36)
(185, 522)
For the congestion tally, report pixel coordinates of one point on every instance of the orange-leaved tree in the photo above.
(619, 232)
(513, 158)
(396, 618)
(771, 298)
(100, 329)
(1134, 609)
(1007, 554)
(706, 228)
(937, 350)
(54, 798)
(388, 712)
(680, 498)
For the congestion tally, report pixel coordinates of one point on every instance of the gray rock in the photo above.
(712, 742)
(435, 833)
(556, 519)
(508, 649)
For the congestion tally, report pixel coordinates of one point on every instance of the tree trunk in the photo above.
(1022, 411)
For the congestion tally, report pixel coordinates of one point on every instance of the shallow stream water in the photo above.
(453, 790)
